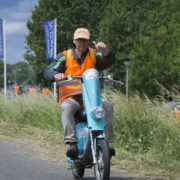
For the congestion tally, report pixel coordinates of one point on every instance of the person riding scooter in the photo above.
(75, 62)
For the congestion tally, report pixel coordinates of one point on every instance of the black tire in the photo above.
(78, 173)
(102, 170)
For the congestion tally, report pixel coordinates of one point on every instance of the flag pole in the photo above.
(55, 48)
(4, 49)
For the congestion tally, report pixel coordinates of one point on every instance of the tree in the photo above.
(20, 72)
(23, 73)
(157, 52)
(147, 33)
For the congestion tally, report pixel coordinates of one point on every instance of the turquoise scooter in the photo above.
(93, 150)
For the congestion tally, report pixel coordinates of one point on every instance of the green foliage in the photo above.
(23, 73)
(36, 110)
(147, 33)
(20, 72)
(144, 125)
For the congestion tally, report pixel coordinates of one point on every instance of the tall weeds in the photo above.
(36, 110)
(141, 125)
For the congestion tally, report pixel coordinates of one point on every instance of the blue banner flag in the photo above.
(1, 40)
(50, 38)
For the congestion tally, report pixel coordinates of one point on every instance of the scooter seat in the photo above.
(80, 116)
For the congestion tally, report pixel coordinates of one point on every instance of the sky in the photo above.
(16, 14)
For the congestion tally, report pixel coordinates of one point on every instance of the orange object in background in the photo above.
(176, 111)
(45, 91)
(175, 108)
(16, 88)
(32, 90)
(177, 114)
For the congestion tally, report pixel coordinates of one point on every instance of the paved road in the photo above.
(18, 164)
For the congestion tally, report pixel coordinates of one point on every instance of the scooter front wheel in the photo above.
(102, 167)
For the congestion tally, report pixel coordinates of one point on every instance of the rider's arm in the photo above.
(57, 66)
(104, 61)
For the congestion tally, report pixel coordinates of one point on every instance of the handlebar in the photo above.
(69, 77)
(106, 78)
(110, 78)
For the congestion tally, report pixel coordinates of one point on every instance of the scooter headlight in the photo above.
(98, 112)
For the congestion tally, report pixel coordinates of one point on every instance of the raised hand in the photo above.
(102, 47)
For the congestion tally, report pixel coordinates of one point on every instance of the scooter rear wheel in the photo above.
(78, 173)
(102, 168)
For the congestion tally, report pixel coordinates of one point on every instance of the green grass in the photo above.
(142, 125)
(36, 110)
(147, 133)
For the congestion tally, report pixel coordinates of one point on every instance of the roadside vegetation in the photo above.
(147, 132)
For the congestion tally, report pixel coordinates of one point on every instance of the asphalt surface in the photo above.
(18, 164)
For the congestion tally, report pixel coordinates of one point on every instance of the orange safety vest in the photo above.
(45, 91)
(16, 89)
(73, 87)
(32, 90)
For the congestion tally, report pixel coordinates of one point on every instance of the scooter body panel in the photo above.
(92, 99)
(82, 134)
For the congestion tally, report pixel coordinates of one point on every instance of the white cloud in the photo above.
(16, 28)
(20, 16)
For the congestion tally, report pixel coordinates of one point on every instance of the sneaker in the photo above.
(112, 152)
(72, 152)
